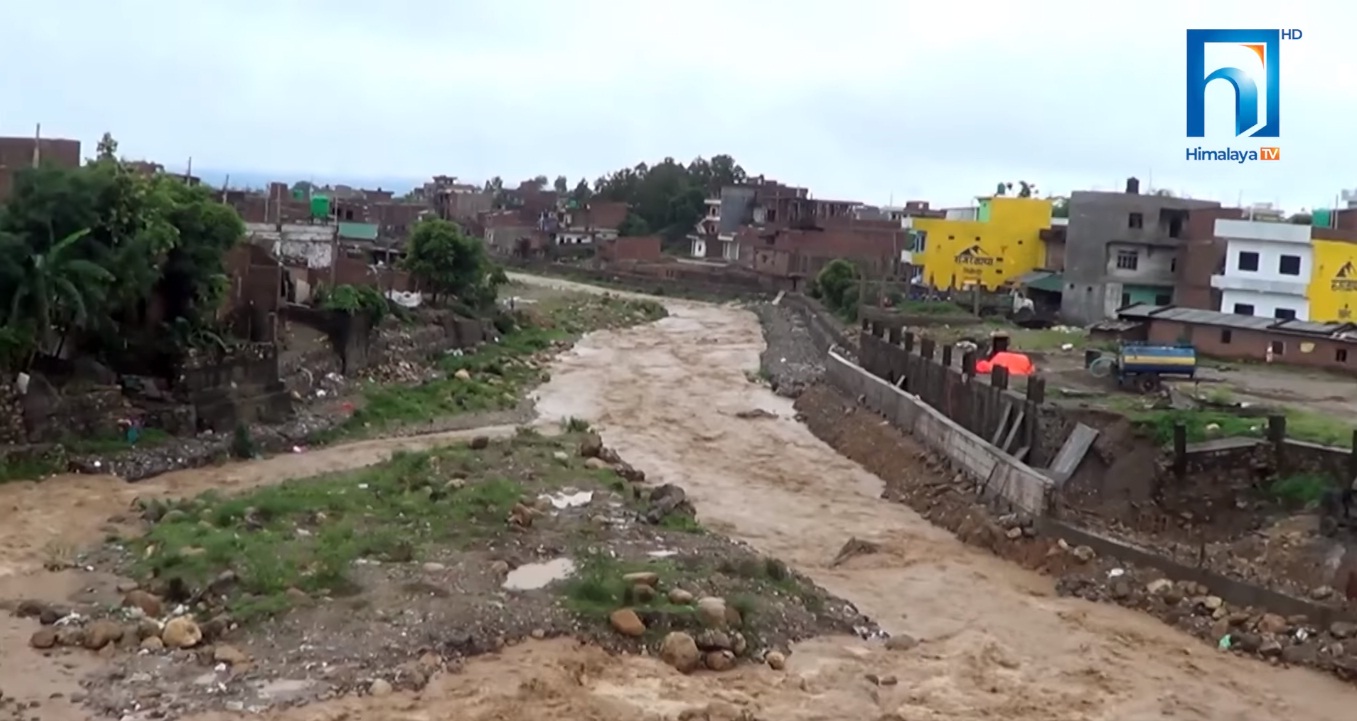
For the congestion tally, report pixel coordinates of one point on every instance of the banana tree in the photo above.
(57, 289)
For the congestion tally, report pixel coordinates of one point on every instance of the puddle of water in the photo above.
(563, 500)
(531, 576)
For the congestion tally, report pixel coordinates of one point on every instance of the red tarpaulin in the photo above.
(1016, 363)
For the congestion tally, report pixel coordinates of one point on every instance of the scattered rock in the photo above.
(642, 593)
(1158, 586)
(562, 456)
(1271, 623)
(432, 567)
(645, 578)
(901, 642)
(591, 446)
(1083, 553)
(152, 643)
(479, 443)
(380, 687)
(102, 633)
(680, 651)
(499, 568)
(230, 655)
(714, 640)
(626, 622)
(597, 464)
(665, 500)
(754, 414)
(680, 597)
(462, 374)
(147, 602)
(43, 638)
(1343, 629)
(775, 660)
(719, 660)
(711, 610)
(181, 632)
(879, 680)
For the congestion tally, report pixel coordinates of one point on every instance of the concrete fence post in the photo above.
(893, 334)
(926, 348)
(909, 341)
(947, 356)
(968, 364)
(1180, 450)
(1036, 389)
(998, 378)
(1276, 435)
(876, 329)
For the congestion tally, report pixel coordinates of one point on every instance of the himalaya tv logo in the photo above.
(1249, 61)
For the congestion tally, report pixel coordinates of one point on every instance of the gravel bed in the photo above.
(791, 362)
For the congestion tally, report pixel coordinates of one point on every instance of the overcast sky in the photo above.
(856, 99)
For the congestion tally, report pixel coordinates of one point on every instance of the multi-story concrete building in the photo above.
(1121, 249)
(1267, 269)
(996, 241)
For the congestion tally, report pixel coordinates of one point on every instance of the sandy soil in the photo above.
(997, 642)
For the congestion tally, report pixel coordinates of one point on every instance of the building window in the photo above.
(1127, 260)
(1289, 265)
(1243, 309)
(1136, 220)
(1341, 355)
(1163, 299)
(1284, 314)
(1173, 265)
(1248, 260)
(1125, 299)
(1277, 347)
(1226, 336)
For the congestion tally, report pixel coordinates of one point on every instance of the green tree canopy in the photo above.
(669, 197)
(447, 262)
(87, 248)
(562, 185)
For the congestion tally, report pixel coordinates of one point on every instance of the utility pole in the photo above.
(37, 145)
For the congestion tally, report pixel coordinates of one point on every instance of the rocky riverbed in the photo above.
(372, 581)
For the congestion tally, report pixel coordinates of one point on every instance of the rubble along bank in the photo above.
(510, 369)
(372, 581)
(947, 498)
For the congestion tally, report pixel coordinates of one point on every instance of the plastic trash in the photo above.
(1225, 642)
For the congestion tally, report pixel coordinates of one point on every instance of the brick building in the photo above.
(17, 154)
(1331, 346)
(792, 255)
(632, 249)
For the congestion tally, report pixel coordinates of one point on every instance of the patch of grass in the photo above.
(575, 425)
(115, 443)
(307, 534)
(27, 469)
(494, 376)
(1300, 425)
(682, 523)
(1299, 490)
(597, 588)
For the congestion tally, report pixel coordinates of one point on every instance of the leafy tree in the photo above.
(94, 245)
(58, 288)
(561, 185)
(541, 182)
(632, 225)
(834, 283)
(669, 196)
(582, 192)
(107, 150)
(447, 262)
(1304, 217)
(1060, 207)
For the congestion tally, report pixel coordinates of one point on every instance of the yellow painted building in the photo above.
(1001, 243)
(1333, 281)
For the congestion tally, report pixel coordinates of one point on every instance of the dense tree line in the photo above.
(85, 251)
(665, 198)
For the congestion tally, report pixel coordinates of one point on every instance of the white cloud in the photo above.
(857, 99)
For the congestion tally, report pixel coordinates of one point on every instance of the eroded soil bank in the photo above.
(673, 399)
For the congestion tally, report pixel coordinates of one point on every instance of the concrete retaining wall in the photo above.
(1001, 477)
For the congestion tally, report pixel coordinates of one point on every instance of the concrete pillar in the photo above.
(1180, 450)
(926, 348)
(1352, 459)
(947, 355)
(864, 323)
(876, 328)
(968, 364)
(1036, 389)
(998, 377)
(893, 334)
(1276, 434)
(909, 341)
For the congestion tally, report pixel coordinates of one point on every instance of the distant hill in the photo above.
(258, 180)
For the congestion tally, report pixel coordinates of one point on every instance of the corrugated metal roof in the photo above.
(1143, 311)
(1032, 276)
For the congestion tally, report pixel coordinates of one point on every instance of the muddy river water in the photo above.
(996, 641)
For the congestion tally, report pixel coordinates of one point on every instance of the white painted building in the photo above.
(1267, 269)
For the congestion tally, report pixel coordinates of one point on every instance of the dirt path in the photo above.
(997, 642)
